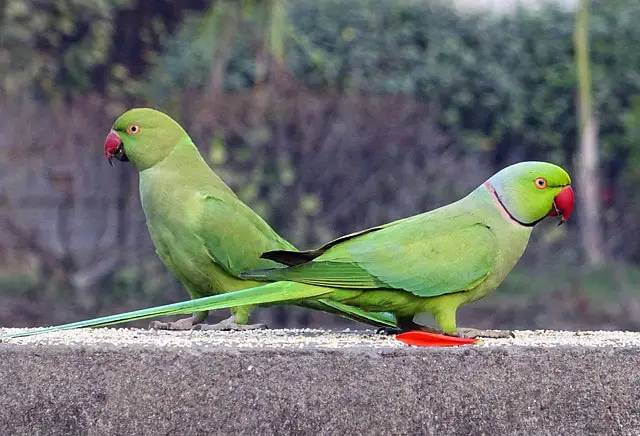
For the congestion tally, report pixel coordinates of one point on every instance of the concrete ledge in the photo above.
(121, 382)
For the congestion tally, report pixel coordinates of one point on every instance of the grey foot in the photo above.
(475, 333)
(181, 324)
(388, 331)
(406, 327)
(229, 324)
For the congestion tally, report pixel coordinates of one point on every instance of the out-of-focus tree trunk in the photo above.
(221, 25)
(225, 19)
(587, 158)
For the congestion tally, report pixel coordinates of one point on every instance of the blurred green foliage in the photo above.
(45, 44)
(501, 83)
(505, 84)
(233, 34)
(64, 48)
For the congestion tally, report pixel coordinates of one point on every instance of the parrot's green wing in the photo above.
(429, 264)
(426, 256)
(245, 236)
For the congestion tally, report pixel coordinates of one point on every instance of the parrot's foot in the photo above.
(406, 327)
(475, 333)
(229, 324)
(388, 331)
(181, 324)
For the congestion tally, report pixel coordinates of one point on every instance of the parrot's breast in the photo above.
(171, 227)
(512, 239)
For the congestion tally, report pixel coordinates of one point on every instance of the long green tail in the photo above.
(270, 293)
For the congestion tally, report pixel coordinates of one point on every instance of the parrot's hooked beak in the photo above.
(113, 147)
(562, 205)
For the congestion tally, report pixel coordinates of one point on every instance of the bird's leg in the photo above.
(446, 319)
(472, 333)
(229, 324)
(184, 323)
(405, 325)
(389, 331)
(181, 324)
(239, 320)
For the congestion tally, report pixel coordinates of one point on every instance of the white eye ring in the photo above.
(540, 183)
(133, 129)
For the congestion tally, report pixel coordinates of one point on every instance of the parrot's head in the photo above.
(530, 191)
(143, 137)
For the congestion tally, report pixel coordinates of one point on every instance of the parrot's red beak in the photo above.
(563, 205)
(113, 147)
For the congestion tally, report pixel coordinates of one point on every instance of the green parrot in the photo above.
(201, 230)
(433, 262)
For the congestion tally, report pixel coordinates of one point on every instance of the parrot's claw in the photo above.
(406, 326)
(389, 331)
(229, 324)
(475, 333)
(181, 324)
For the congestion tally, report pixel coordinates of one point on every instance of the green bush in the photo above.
(504, 84)
(54, 49)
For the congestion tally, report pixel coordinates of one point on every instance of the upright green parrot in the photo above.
(433, 262)
(201, 230)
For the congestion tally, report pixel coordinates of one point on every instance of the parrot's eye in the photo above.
(540, 183)
(133, 129)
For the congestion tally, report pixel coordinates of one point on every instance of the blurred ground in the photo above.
(115, 381)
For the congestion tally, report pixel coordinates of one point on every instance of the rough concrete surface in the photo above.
(138, 382)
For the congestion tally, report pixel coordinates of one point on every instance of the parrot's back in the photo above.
(202, 232)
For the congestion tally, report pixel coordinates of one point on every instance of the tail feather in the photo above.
(290, 258)
(267, 274)
(270, 293)
(376, 319)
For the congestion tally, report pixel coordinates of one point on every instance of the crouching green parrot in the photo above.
(201, 230)
(433, 262)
